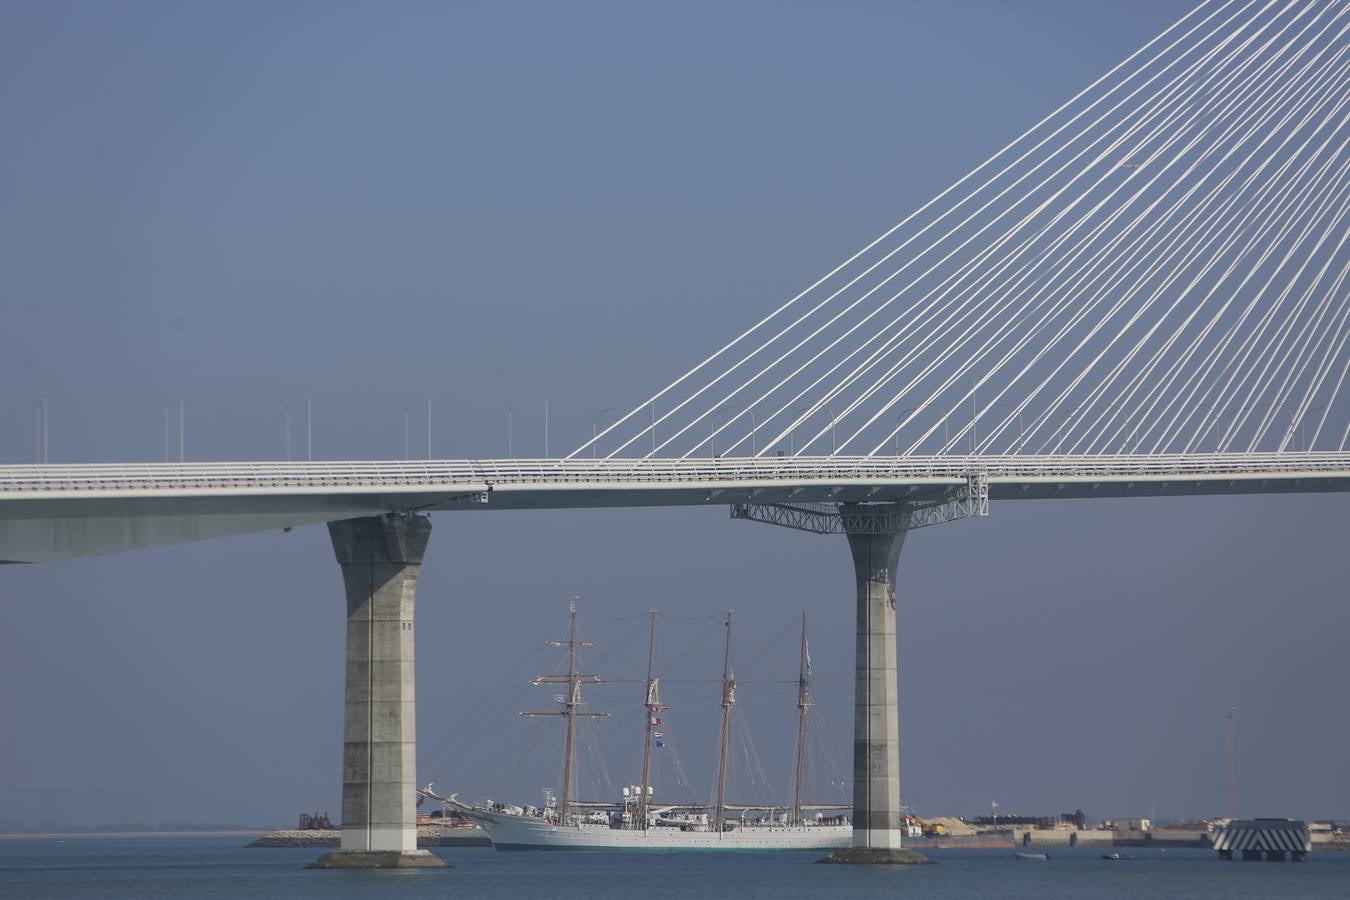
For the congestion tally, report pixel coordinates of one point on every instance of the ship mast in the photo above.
(570, 711)
(728, 698)
(803, 704)
(652, 708)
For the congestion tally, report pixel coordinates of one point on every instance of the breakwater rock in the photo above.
(427, 836)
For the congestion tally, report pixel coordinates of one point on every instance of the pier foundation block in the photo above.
(381, 557)
(877, 826)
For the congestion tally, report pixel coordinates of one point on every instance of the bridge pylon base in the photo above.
(381, 557)
(877, 856)
(360, 859)
(876, 534)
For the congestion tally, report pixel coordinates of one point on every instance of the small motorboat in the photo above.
(1114, 856)
(1031, 855)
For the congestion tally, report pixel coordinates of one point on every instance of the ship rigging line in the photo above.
(542, 730)
(690, 649)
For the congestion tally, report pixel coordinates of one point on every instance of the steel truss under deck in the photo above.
(873, 518)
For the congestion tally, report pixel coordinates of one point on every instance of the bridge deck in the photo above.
(1008, 474)
(60, 511)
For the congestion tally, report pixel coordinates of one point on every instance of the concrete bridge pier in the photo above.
(876, 533)
(381, 557)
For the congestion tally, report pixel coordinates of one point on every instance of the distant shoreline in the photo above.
(104, 835)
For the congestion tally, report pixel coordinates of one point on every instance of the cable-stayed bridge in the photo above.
(1142, 294)
(59, 512)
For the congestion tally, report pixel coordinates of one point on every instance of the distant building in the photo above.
(1076, 821)
(1206, 825)
(1008, 821)
(1127, 825)
(1077, 817)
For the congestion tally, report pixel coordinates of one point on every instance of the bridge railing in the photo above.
(398, 475)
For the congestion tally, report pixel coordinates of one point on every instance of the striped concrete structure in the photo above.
(1264, 839)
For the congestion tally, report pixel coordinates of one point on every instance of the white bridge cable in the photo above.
(1186, 234)
(960, 372)
(1195, 240)
(1249, 345)
(666, 416)
(1181, 399)
(744, 408)
(1010, 417)
(1340, 382)
(1159, 390)
(949, 190)
(1339, 93)
(1159, 263)
(1109, 408)
(1068, 292)
(1323, 369)
(959, 435)
(1125, 397)
(820, 433)
(1184, 400)
(1137, 251)
(824, 401)
(1224, 406)
(1142, 376)
(971, 293)
(964, 310)
(1021, 408)
(1295, 358)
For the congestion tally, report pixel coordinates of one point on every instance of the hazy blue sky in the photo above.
(486, 205)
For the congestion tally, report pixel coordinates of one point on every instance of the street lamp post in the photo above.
(1021, 432)
(1212, 414)
(595, 427)
(712, 421)
(792, 434)
(898, 416)
(1303, 426)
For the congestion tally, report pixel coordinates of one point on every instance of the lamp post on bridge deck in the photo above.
(595, 427)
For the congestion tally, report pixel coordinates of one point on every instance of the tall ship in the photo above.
(637, 821)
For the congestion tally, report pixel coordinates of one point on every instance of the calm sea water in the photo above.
(221, 867)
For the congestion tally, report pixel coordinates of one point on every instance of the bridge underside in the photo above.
(62, 512)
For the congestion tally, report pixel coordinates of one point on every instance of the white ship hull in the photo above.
(510, 832)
